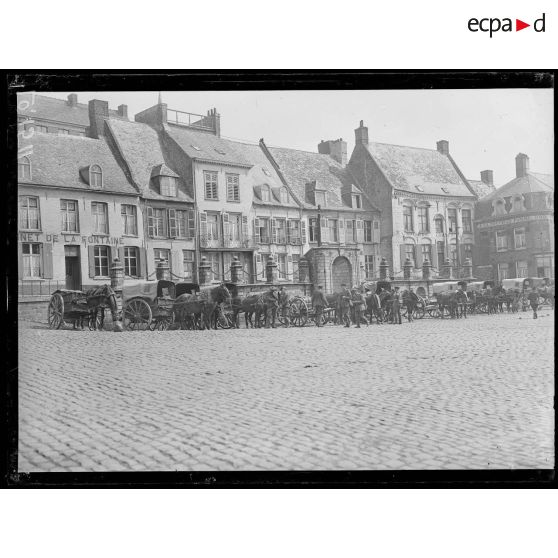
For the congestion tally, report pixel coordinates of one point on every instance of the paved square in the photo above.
(463, 394)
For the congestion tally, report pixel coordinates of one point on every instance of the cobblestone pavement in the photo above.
(464, 394)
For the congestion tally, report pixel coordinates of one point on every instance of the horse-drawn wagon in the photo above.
(81, 307)
(148, 304)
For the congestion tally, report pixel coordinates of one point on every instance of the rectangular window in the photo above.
(367, 231)
(158, 223)
(99, 213)
(188, 264)
(213, 226)
(296, 259)
(282, 265)
(503, 271)
(102, 257)
(294, 232)
(350, 232)
(129, 220)
(29, 218)
(313, 229)
(452, 220)
(262, 230)
(235, 227)
(502, 241)
(210, 182)
(333, 227)
(167, 186)
(280, 231)
(467, 221)
(215, 261)
(410, 253)
(522, 269)
(369, 266)
(423, 222)
(545, 266)
(357, 201)
(408, 218)
(468, 251)
(440, 251)
(181, 224)
(161, 254)
(320, 199)
(426, 252)
(233, 188)
(519, 238)
(131, 261)
(439, 224)
(453, 255)
(69, 212)
(31, 260)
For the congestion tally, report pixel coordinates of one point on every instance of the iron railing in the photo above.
(190, 119)
(244, 242)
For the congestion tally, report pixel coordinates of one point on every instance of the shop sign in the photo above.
(69, 238)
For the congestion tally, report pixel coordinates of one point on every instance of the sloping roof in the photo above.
(51, 108)
(141, 149)
(481, 188)
(207, 147)
(301, 167)
(547, 179)
(522, 185)
(57, 160)
(407, 167)
(263, 172)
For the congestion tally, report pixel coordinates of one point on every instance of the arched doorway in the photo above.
(340, 273)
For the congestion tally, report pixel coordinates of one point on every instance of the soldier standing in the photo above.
(396, 307)
(271, 300)
(411, 300)
(534, 301)
(319, 302)
(283, 302)
(345, 305)
(359, 305)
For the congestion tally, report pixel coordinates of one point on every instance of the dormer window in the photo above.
(499, 207)
(24, 168)
(357, 201)
(518, 203)
(284, 195)
(95, 176)
(167, 186)
(265, 193)
(320, 198)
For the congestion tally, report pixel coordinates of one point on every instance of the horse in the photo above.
(374, 308)
(251, 305)
(447, 300)
(99, 298)
(385, 301)
(200, 310)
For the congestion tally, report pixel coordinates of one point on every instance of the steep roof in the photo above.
(57, 160)
(263, 172)
(547, 179)
(59, 110)
(139, 145)
(207, 147)
(481, 188)
(408, 167)
(523, 185)
(301, 167)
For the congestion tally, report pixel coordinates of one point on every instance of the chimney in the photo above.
(216, 121)
(487, 176)
(361, 134)
(443, 147)
(337, 149)
(521, 165)
(72, 99)
(123, 111)
(98, 113)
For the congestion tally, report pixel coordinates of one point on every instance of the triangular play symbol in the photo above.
(519, 25)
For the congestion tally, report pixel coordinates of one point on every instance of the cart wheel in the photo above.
(299, 312)
(434, 313)
(418, 313)
(225, 320)
(136, 315)
(56, 311)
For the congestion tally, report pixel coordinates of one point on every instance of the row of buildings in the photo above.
(95, 185)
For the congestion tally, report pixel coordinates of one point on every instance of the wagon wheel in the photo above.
(418, 312)
(136, 315)
(225, 320)
(56, 311)
(299, 312)
(434, 312)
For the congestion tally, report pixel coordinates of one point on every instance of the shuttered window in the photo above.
(131, 261)
(129, 220)
(233, 188)
(333, 230)
(101, 256)
(99, 214)
(69, 213)
(29, 218)
(210, 184)
(31, 260)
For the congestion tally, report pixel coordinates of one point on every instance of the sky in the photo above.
(486, 128)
